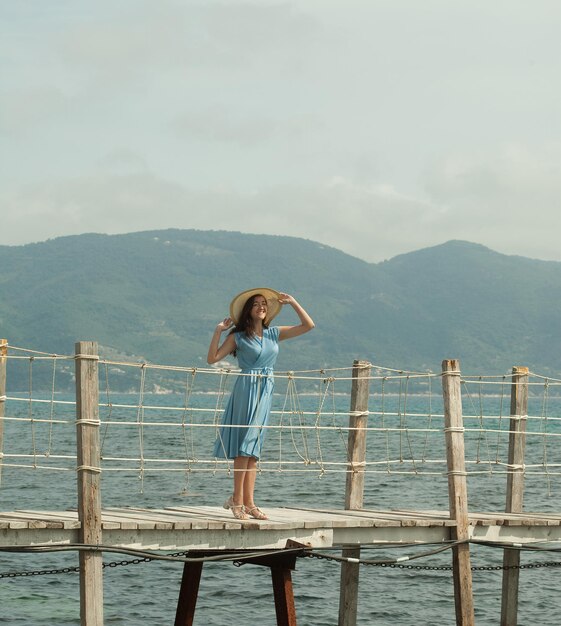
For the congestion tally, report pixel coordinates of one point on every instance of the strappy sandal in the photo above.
(256, 513)
(238, 510)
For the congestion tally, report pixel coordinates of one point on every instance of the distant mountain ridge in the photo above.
(158, 295)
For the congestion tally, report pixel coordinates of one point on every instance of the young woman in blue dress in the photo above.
(255, 344)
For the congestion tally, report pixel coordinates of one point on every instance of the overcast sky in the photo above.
(374, 126)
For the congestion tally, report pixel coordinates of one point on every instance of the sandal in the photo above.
(238, 510)
(229, 503)
(256, 513)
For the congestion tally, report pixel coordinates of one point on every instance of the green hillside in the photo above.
(158, 295)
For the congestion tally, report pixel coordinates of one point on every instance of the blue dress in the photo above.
(249, 405)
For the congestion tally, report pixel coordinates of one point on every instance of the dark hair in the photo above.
(245, 323)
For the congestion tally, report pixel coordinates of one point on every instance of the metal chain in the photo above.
(444, 568)
(68, 570)
(441, 568)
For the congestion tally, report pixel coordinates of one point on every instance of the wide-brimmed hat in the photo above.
(272, 297)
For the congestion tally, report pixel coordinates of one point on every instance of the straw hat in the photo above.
(272, 297)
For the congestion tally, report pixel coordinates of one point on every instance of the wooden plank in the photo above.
(30, 522)
(457, 491)
(346, 519)
(200, 521)
(161, 518)
(217, 518)
(8, 523)
(63, 521)
(89, 495)
(366, 518)
(142, 519)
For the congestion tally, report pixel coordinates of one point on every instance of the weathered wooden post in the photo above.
(514, 489)
(457, 491)
(3, 363)
(354, 489)
(89, 494)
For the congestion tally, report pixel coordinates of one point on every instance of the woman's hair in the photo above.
(245, 322)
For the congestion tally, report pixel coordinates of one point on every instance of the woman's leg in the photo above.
(249, 482)
(240, 472)
(248, 490)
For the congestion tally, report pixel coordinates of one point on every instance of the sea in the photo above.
(157, 450)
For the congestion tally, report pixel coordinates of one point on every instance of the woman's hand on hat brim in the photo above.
(285, 298)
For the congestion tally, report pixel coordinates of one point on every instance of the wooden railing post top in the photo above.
(520, 370)
(3, 347)
(451, 365)
(362, 364)
(86, 347)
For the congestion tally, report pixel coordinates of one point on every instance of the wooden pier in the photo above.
(213, 528)
(207, 530)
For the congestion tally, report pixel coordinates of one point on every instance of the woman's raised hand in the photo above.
(226, 323)
(286, 298)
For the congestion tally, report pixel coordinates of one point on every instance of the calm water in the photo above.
(147, 593)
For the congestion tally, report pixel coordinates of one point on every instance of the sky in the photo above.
(377, 127)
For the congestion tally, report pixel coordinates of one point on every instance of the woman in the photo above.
(255, 344)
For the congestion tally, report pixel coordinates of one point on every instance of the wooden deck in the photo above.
(213, 528)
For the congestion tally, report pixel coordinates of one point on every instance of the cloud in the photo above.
(241, 125)
(509, 199)
(25, 108)
(177, 36)
(368, 222)
(371, 127)
(510, 203)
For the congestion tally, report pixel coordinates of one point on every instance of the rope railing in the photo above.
(159, 418)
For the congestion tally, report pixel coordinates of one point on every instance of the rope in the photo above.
(189, 457)
(544, 429)
(30, 409)
(140, 421)
(404, 431)
(88, 468)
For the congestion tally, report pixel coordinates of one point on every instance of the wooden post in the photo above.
(354, 490)
(188, 593)
(280, 565)
(3, 363)
(514, 489)
(285, 608)
(457, 491)
(89, 494)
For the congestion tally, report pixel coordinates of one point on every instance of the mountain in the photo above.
(158, 295)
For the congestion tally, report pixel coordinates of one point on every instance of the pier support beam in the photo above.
(280, 564)
(457, 491)
(89, 494)
(514, 489)
(188, 594)
(354, 490)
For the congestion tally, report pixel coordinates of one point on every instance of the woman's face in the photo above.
(259, 308)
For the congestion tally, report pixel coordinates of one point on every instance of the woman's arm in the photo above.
(216, 353)
(306, 322)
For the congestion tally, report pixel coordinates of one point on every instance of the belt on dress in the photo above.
(263, 371)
